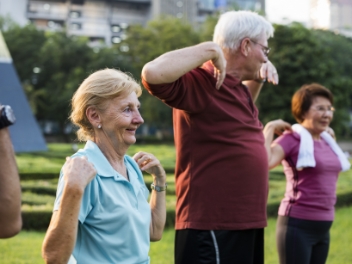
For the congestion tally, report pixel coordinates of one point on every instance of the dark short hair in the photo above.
(303, 98)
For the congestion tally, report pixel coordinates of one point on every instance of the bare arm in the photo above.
(10, 188)
(61, 236)
(172, 65)
(254, 88)
(150, 164)
(267, 72)
(275, 152)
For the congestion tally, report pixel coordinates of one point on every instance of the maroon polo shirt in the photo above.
(221, 168)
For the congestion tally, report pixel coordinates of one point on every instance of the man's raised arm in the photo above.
(172, 65)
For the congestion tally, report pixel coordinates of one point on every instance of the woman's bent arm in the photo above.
(61, 236)
(275, 152)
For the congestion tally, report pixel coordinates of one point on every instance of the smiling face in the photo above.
(318, 117)
(121, 119)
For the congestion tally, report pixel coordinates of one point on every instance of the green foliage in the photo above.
(61, 74)
(147, 43)
(41, 196)
(24, 44)
(301, 56)
(36, 220)
(159, 36)
(207, 28)
(6, 22)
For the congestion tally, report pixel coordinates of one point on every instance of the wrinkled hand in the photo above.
(219, 64)
(280, 126)
(78, 171)
(149, 163)
(268, 72)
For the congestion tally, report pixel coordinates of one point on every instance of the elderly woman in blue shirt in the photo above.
(101, 213)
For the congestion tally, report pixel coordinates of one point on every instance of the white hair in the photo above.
(234, 26)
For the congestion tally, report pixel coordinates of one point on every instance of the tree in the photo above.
(145, 44)
(6, 23)
(63, 66)
(207, 28)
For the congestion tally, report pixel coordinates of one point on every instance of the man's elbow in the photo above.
(156, 237)
(149, 73)
(12, 228)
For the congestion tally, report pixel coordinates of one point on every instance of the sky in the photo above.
(294, 10)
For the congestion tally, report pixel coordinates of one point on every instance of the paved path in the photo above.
(345, 146)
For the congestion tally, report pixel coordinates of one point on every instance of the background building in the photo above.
(341, 16)
(335, 15)
(106, 20)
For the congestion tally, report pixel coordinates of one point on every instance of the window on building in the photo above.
(115, 28)
(115, 40)
(75, 14)
(77, 2)
(123, 25)
(46, 7)
(75, 26)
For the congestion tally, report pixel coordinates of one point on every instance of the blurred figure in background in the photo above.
(10, 188)
(101, 213)
(312, 161)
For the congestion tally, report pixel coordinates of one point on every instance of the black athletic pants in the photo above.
(302, 241)
(219, 246)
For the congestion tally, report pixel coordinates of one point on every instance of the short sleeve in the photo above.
(289, 142)
(59, 191)
(191, 92)
(86, 203)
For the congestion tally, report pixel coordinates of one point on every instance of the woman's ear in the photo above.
(93, 116)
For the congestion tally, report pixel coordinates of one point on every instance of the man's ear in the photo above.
(93, 116)
(245, 47)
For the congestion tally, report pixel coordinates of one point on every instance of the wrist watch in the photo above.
(158, 188)
(7, 117)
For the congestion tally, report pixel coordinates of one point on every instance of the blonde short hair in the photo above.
(97, 90)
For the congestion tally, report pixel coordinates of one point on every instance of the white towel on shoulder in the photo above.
(306, 149)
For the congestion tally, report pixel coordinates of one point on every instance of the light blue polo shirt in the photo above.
(114, 217)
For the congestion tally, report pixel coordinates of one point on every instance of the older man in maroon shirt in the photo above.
(221, 161)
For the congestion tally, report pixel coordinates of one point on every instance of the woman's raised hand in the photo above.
(149, 163)
(279, 126)
(78, 171)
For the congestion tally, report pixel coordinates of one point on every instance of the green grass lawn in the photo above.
(39, 195)
(25, 247)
